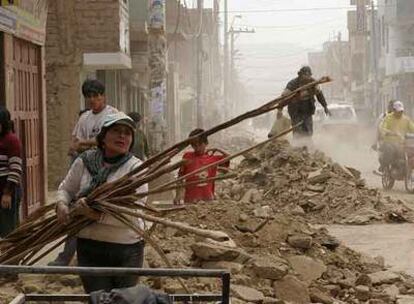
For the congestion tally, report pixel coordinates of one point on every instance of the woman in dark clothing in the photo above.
(10, 174)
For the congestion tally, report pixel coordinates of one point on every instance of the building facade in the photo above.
(85, 39)
(334, 61)
(22, 90)
(396, 63)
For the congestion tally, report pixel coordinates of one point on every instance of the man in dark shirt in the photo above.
(303, 108)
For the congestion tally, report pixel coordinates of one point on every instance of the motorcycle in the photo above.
(401, 169)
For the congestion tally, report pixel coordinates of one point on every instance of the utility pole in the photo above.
(200, 60)
(226, 61)
(374, 44)
(361, 14)
(233, 34)
(157, 45)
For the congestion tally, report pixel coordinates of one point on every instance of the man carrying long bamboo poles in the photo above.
(198, 158)
(302, 109)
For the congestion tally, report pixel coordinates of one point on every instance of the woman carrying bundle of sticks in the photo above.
(106, 242)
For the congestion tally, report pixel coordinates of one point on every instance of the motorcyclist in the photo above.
(393, 130)
(375, 146)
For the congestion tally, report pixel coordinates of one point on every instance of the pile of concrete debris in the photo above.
(40, 284)
(232, 140)
(276, 258)
(274, 255)
(292, 180)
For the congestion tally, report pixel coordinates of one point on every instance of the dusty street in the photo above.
(394, 242)
(374, 240)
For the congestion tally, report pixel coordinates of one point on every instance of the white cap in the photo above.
(398, 106)
(119, 118)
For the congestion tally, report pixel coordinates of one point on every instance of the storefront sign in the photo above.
(8, 21)
(157, 14)
(29, 19)
(158, 98)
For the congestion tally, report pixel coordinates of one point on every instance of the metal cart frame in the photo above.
(224, 275)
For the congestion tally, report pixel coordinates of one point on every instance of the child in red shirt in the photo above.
(198, 158)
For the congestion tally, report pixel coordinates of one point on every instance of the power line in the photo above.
(293, 26)
(310, 9)
(293, 10)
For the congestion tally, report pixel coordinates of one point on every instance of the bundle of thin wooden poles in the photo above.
(41, 233)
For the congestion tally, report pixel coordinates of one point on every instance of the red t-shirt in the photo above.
(203, 191)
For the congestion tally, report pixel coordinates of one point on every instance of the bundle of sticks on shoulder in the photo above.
(33, 239)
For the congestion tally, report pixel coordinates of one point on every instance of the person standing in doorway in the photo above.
(10, 174)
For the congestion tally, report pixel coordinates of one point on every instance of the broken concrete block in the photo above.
(247, 294)
(318, 296)
(298, 210)
(300, 241)
(307, 268)
(318, 177)
(269, 300)
(362, 293)
(405, 299)
(269, 268)
(292, 290)
(243, 217)
(214, 252)
(234, 268)
(392, 291)
(384, 277)
(263, 212)
(364, 280)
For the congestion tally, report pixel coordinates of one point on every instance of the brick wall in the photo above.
(98, 25)
(73, 27)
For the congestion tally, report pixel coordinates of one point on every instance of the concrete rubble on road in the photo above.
(274, 254)
(267, 211)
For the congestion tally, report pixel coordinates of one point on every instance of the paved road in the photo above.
(394, 242)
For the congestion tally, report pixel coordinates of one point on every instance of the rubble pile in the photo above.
(40, 284)
(233, 141)
(294, 181)
(274, 254)
(275, 257)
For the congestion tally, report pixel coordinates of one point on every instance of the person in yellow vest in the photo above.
(282, 123)
(393, 130)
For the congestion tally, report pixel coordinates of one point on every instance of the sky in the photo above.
(272, 55)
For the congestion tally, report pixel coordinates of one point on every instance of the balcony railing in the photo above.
(404, 52)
